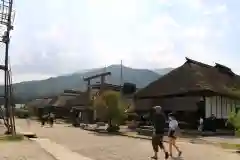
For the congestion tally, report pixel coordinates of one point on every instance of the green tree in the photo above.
(234, 120)
(112, 108)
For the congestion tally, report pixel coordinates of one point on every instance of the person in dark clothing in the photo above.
(159, 121)
(44, 119)
(213, 123)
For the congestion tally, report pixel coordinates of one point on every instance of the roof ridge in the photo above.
(188, 60)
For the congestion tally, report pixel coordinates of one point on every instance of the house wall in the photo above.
(220, 106)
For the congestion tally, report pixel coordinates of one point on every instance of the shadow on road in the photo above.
(177, 158)
(101, 134)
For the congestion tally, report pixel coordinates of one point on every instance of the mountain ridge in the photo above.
(56, 85)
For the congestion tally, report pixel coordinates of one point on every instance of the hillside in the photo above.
(163, 71)
(55, 85)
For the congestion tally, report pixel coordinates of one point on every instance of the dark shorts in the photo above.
(171, 134)
(157, 141)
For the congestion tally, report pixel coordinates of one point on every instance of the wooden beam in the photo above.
(97, 75)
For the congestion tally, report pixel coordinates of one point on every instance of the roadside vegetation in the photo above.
(111, 107)
(234, 120)
(11, 138)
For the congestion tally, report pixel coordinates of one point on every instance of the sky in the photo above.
(54, 37)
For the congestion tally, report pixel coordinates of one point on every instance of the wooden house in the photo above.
(195, 90)
(60, 104)
(38, 107)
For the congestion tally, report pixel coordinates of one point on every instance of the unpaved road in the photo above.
(22, 150)
(109, 147)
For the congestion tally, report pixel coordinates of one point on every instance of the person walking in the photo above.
(173, 126)
(200, 127)
(51, 119)
(158, 132)
(44, 119)
(28, 122)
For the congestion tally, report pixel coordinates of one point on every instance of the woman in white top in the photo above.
(200, 127)
(173, 126)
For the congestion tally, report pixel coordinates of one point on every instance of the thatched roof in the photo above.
(62, 99)
(39, 103)
(106, 86)
(74, 92)
(194, 78)
(80, 100)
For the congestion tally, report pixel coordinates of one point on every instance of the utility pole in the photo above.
(6, 20)
(121, 75)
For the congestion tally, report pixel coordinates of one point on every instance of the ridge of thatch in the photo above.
(194, 78)
(80, 100)
(62, 99)
(39, 103)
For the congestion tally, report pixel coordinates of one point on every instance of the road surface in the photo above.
(111, 147)
(23, 150)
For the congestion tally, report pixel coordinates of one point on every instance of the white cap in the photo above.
(158, 109)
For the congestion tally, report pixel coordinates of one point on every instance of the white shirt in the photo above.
(173, 124)
(201, 121)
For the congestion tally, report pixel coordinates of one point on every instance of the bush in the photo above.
(234, 120)
(113, 109)
(22, 113)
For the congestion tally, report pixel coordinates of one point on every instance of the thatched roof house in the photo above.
(39, 103)
(194, 78)
(39, 106)
(197, 87)
(61, 100)
(81, 101)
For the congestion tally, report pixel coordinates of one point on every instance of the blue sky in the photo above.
(54, 37)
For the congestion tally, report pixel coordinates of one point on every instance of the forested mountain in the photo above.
(56, 85)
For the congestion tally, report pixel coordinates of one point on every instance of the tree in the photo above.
(110, 105)
(234, 120)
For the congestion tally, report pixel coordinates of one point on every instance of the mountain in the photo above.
(163, 71)
(56, 85)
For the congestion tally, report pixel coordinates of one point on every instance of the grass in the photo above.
(11, 138)
(230, 146)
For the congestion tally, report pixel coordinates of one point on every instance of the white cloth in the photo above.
(158, 109)
(173, 124)
(201, 121)
(51, 115)
(79, 114)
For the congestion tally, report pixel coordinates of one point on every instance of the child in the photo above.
(173, 126)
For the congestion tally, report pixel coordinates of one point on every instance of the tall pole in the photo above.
(121, 75)
(6, 82)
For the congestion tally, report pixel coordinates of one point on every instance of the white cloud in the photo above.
(95, 33)
(219, 9)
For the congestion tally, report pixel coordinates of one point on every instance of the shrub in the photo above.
(22, 113)
(234, 120)
(112, 105)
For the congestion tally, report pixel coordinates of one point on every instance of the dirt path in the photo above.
(22, 150)
(106, 147)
